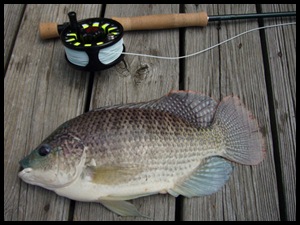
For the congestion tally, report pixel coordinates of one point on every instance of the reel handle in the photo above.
(150, 22)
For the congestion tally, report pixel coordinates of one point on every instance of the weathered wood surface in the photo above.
(41, 91)
(281, 53)
(143, 79)
(12, 16)
(237, 68)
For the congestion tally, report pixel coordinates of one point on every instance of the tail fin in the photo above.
(244, 142)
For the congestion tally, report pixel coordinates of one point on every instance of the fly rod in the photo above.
(164, 21)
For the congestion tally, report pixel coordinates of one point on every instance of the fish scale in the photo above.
(141, 129)
(167, 130)
(173, 145)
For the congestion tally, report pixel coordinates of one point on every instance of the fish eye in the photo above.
(44, 150)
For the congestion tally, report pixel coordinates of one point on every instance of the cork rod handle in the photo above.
(48, 30)
(150, 22)
(163, 21)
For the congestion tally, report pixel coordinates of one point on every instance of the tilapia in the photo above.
(179, 144)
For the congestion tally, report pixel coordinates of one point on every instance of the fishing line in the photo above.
(97, 43)
(106, 56)
(209, 48)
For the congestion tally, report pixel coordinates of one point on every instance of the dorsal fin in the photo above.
(196, 108)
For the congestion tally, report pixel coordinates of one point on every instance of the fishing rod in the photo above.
(96, 43)
(164, 21)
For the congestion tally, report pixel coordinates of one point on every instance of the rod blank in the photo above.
(250, 16)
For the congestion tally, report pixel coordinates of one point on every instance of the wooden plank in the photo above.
(41, 91)
(233, 68)
(143, 79)
(281, 46)
(12, 19)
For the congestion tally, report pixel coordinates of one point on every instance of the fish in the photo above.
(183, 143)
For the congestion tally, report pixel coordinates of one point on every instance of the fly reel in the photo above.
(92, 44)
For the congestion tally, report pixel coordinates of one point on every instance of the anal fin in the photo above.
(207, 179)
(122, 208)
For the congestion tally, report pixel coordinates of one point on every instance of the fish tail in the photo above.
(244, 142)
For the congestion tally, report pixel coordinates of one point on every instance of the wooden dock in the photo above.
(41, 91)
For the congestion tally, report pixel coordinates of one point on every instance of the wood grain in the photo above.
(139, 79)
(281, 52)
(41, 91)
(233, 68)
(12, 17)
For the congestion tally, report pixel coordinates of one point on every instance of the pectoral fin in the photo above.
(122, 208)
(112, 174)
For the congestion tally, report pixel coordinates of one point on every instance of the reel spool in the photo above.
(92, 44)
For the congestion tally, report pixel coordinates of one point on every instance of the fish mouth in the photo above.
(24, 172)
(27, 175)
